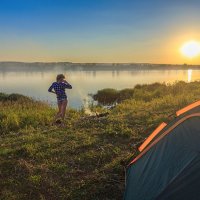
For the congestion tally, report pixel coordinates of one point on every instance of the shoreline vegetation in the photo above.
(87, 158)
(45, 66)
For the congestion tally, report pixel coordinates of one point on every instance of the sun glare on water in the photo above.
(191, 49)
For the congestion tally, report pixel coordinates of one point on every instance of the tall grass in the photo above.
(18, 112)
(146, 92)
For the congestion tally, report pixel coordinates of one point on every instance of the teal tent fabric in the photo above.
(171, 168)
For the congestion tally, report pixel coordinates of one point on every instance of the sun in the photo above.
(191, 49)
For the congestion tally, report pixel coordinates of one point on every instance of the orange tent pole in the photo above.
(150, 138)
(187, 108)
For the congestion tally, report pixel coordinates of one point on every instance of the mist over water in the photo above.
(35, 83)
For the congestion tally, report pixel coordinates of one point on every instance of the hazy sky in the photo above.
(98, 30)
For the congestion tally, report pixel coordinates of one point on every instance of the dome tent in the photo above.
(168, 167)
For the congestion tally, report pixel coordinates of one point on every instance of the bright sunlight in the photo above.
(191, 49)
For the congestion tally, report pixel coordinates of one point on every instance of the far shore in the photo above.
(18, 66)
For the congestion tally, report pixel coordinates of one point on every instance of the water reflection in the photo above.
(189, 75)
(35, 83)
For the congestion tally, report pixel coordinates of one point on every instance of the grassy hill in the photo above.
(87, 158)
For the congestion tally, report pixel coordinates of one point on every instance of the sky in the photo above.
(145, 31)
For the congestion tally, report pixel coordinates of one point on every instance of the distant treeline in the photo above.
(42, 66)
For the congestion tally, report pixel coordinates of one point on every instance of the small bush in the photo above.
(106, 96)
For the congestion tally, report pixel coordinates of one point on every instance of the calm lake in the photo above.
(36, 83)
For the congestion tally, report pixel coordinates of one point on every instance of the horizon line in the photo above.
(48, 62)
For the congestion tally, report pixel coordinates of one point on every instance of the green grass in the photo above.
(87, 158)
